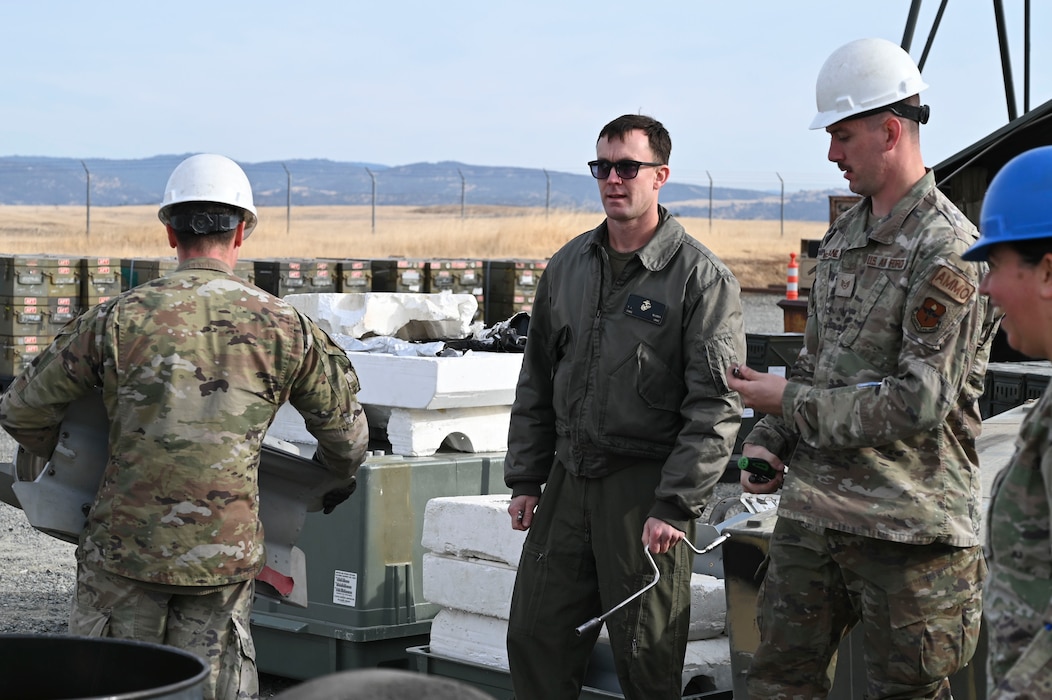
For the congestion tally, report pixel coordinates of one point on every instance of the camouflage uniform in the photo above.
(623, 412)
(192, 368)
(1018, 596)
(880, 418)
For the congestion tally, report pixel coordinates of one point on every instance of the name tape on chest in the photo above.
(645, 309)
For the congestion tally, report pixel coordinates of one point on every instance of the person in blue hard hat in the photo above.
(1016, 241)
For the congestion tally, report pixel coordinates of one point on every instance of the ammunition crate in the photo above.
(320, 277)
(511, 287)
(458, 277)
(38, 276)
(100, 279)
(17, 351)
(394, 275)
(23, 316)
(136, 271)
(60, 311)
(279, 277)
(354, 276)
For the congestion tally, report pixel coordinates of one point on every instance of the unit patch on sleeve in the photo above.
(928, 316)
(645, 309)
(953, 283)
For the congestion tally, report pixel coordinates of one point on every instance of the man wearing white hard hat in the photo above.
(878, 519)
(192, 368)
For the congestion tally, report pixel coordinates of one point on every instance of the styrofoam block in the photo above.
(472, 527)
(484, 588)
(709, 657)
(440, 315)
(708, 607)
(419, 433)
(475, 379)
(483, 640)
(471, 585)
(477, 638)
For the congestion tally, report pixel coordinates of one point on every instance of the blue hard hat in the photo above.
(1018, 203)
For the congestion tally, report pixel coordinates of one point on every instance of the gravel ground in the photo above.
(37, 572)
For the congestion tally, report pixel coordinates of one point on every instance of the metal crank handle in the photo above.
(710, 546)
(596, 621)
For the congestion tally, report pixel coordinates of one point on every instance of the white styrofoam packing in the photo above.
(472, 527)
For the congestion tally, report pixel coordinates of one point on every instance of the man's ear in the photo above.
(661, 176)
(892, 128)
(1044, 277)
(172, 241)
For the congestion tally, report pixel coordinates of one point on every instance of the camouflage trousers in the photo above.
(920, 607)
(214, 625)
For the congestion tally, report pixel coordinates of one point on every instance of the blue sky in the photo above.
(483, 82)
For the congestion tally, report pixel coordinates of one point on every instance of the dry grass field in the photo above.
(757, 251)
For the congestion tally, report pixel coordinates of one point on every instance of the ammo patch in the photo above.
(953, 284)
(645, 309)
(928, 316)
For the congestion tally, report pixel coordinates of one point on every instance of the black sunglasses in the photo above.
(626, 169)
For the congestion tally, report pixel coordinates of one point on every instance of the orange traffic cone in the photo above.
(792, 278)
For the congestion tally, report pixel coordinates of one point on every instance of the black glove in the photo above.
(337, 496)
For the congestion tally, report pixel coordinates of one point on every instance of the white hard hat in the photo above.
(862, 76)
(207, 177)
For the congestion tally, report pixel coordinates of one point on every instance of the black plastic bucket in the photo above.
(62, 667)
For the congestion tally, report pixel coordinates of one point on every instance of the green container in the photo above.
(365, 568)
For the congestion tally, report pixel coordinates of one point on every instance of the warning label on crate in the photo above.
(345, 588)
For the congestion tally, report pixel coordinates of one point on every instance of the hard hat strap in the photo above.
(201, 223)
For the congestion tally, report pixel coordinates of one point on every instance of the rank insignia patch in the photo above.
(928, 315)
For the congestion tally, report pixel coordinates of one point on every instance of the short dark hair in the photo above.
(657, 134)
(182, 216)
(1031, 251)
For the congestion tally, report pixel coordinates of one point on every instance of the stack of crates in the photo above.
(511, 287)
(774, 353)
(354, 276)
(39, 294)
(399, 275)
(458, 277)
